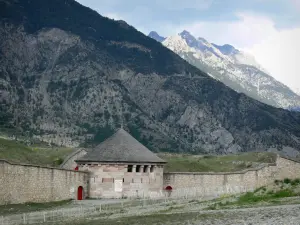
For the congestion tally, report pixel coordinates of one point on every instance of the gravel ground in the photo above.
(272, 215)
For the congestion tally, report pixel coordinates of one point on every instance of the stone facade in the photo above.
(213, 184)
(121, 180)
(26, 183)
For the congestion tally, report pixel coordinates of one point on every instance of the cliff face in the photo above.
(70, 76)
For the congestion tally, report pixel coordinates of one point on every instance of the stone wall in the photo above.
(114, 180)
(20, 183)
(216, 184)
(69, 163)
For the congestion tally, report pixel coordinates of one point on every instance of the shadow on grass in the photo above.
(30, 207)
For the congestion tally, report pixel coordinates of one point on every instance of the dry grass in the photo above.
(228, 163)
(17, 152)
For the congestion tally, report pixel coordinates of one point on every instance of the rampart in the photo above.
(216, 184)
(20, 183)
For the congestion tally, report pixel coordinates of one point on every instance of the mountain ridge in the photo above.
(70, 76)
(234, 68)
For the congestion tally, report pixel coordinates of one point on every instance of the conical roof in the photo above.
(121, 147)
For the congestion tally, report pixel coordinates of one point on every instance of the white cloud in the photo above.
(113, 16)
(244, 32)
(279, 54)
(276, 50)
(180, 5)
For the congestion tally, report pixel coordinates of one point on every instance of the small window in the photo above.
(145, 169)
(123, 180)
(138, 168)
(151, 169)
(107, 180)
(129, 168)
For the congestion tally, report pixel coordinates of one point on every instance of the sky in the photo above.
(268, 29)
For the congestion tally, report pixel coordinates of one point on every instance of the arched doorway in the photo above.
(80, 193)
(169, 190)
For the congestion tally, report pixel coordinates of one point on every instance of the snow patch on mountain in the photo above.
(235, 68)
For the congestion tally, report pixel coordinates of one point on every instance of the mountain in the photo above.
(71, 77)
(155, 36)
(296, 109)
(234, 68)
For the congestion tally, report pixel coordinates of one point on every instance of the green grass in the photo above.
(14, 151)
(31, 207)
(17, 152)
(228, 163)
(262, 195)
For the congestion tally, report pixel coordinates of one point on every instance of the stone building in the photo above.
(122, 167)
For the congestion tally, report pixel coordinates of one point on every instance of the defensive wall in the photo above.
(20, 183)
(69, 163)
(217, 184)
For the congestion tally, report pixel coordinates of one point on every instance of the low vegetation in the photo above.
(207, 163)
(273, 194)
(14, 151)
(31, 207)
(18, 152)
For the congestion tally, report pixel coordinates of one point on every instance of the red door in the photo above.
(80, 193)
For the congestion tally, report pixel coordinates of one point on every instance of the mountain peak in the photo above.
(185, 32)
(156, 36)
(226, 49)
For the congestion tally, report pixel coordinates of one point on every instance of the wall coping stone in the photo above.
(237, 172)
(118, 163)
(288, 158)
(2, 161)
(71, 155)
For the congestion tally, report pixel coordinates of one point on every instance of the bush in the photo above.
(277, 182)
(295, 182)
(287, 181)
(283, 194)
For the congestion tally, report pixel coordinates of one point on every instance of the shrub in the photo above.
(287, 181)
(283, 194)
(277, 182)
(295, 182)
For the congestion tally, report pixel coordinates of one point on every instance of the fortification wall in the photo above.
(69, 163)
(216, 184)
(26, 183)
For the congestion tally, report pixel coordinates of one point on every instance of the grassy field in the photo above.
(31, 207)
(228, 163)
(14, 151)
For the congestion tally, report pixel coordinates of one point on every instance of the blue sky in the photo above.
(269, 29)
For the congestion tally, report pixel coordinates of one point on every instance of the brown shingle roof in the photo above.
(121, 147)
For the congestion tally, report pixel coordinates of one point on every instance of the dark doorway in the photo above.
(169, 188)
(80, 193)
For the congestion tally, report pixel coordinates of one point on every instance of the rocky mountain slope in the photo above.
(70, 76)
(233, 67)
